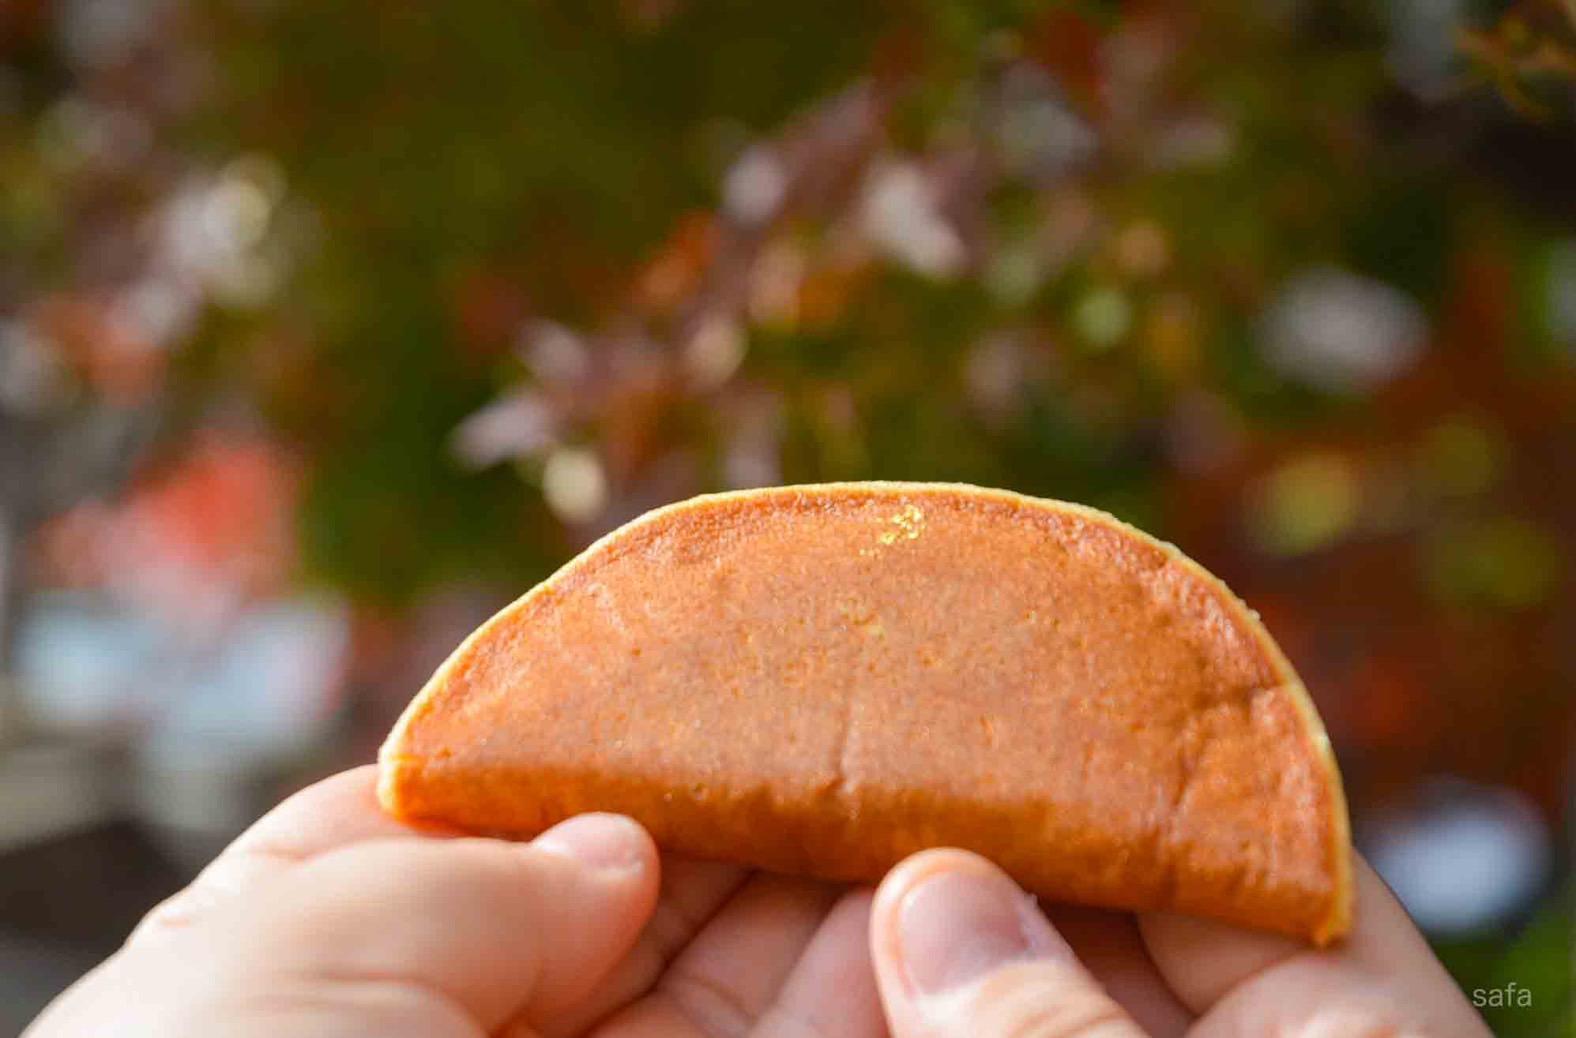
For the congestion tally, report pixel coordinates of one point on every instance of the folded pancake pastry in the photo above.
(821, 680)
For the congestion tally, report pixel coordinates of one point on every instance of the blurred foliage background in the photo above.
(325, 329)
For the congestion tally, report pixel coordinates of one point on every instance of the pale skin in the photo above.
(328, 918)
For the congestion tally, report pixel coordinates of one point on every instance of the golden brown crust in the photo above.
(824, 679)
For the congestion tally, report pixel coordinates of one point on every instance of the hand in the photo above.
(328, 918)
(961, 951)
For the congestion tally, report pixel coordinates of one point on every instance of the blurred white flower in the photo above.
(1424, 53)
(900, 214)
(1341, 332)
(158, 310)
(214, 232)
(1464, 857)
(234, 212)
(1039, 136)
(520, 424)
(754, 187)
(574, 484)
(714, 351)
(554, 353)
(260, 171)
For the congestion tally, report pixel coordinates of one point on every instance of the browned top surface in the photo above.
(976, 648)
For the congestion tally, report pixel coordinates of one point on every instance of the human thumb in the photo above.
(453, 937)
(960, 951)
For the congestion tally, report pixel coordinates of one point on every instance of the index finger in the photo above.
(1242, 981)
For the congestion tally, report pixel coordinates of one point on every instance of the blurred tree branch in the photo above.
(1532, 46)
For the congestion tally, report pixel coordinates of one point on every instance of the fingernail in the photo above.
(955, 927)
(607, 842)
